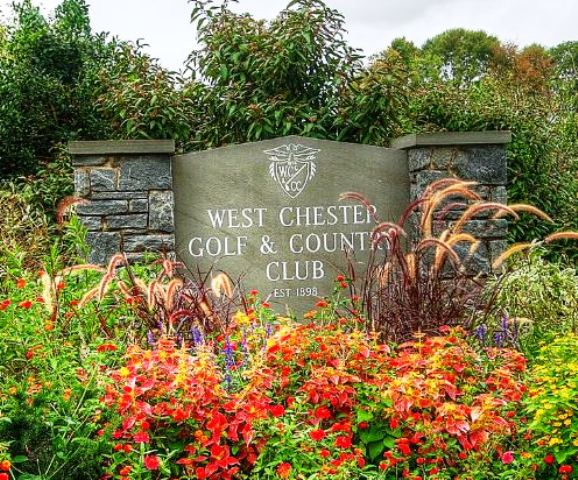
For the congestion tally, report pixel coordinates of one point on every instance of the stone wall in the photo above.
(129, 205)
(127, 188)
(475, 156)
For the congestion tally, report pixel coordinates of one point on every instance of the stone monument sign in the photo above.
(269, 212)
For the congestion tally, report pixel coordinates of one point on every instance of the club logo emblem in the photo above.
(292, 167)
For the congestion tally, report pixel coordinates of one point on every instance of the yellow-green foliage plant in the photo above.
(551, 408)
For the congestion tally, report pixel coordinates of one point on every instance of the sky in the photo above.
(165, 24)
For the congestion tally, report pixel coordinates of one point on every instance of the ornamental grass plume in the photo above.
(166, 304)
(429, 281)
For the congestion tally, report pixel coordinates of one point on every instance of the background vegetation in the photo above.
(252, 80)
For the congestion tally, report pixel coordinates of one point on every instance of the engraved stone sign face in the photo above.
(268, 212)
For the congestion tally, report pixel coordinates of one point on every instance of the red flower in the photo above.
(254, 293)
(142, 437)
(564, 469)
(222, 456)
(404, 448)
(324, 453)
(363, 425)
(321, 304)
(317, 435)
(5, 304)
(4, 476)
(507, 457)
(340, 278)
(265, 304)
(21, 283)
(151, 462)
(322, 413)
(549, 459)
(277, 410)
(284, 470)
(5, 465)
(343, 442)
(25, 304)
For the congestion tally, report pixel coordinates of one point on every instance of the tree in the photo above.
(464, 54)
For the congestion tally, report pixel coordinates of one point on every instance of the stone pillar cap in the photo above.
(416, 140)
(122, 147)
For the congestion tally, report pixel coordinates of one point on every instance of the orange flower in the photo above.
(25, 304)
(5, 304)
(284, 470)
(5, 465)
(106, 347)
(21, 283)
(125, 470)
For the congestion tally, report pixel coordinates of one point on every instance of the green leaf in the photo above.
(375, 450)
(368, 436)
(389, 442)
(364, 416)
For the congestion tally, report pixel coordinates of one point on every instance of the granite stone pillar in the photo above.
(128, 199)
(475, 156)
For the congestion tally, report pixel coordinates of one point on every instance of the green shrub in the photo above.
(540, 296)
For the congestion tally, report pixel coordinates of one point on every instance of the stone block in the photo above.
(127, 222)
(486, 165)
(145, 173)
(103, 245)
(474, 263)
(487, 228)
(423, 179)
(88, 160)
(442, 157)
(499, 195)
(103, 207)
(81, 183)
(419, 158)
(138, 205)
(496, 248)
(118, 195)
(91, 223)
(103, 179)
(161, 215)
(150, 242)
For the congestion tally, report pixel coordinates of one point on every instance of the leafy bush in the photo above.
(24, 230)
(551, 409)
(540, 297)
(317, 401)
(51, 357)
